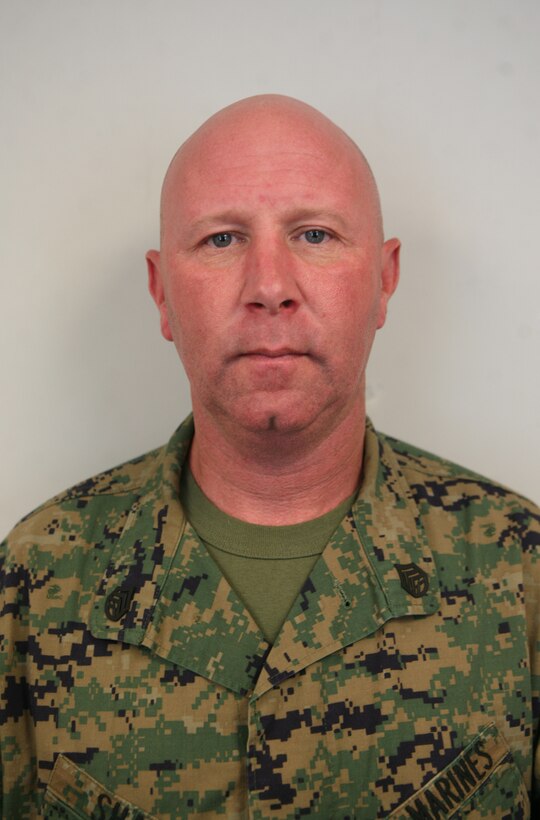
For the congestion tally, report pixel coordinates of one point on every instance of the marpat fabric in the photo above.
(404, 682)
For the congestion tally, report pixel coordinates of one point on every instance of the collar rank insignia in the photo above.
(118, 603)
(413, 579)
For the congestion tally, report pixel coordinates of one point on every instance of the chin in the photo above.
(270, 421)
(278, 417)
(277, 423)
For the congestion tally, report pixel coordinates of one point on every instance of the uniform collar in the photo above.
(377, 565)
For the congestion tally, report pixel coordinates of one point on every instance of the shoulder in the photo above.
(438, 485)
(75, 509)
(125, 478)
(425, 468)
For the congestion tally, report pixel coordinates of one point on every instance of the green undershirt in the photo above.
(266, 566)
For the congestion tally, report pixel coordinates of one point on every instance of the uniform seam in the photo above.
(69, 496)
(505, 493)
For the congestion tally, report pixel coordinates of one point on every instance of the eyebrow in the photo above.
(240, 218)
(214, 220)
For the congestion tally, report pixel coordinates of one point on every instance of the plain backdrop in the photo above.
(95, 98)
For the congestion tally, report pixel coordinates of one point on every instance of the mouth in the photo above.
(274, 353)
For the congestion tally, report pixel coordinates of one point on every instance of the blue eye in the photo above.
(315, 236)
(221, 240)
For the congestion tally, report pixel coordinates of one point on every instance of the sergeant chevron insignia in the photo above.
(413, 579)
(118, 603)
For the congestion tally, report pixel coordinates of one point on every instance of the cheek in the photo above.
(353, 307)
(194, 324)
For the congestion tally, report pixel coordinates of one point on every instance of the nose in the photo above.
(270, 280)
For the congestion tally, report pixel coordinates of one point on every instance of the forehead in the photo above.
(276, 179)
(273, 163)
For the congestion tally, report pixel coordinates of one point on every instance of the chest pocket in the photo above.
(73, 793)
(483, 781)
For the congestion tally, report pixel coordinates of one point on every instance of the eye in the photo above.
(315, 236)
(221, 240)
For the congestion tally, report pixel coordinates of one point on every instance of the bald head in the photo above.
(272, 277)
(268, 126)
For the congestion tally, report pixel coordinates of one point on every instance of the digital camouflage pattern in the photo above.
(404, 682)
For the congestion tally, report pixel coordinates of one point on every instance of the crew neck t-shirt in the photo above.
(265, 565)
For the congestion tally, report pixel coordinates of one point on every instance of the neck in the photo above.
(275, 478)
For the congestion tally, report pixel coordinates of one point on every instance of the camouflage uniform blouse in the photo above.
(404, 682)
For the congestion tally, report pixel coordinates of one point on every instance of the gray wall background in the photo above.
(95, 97)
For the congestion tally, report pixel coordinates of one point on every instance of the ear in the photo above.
(389, 276)
(157, 291)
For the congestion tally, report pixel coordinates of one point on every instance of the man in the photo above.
(281, 613)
